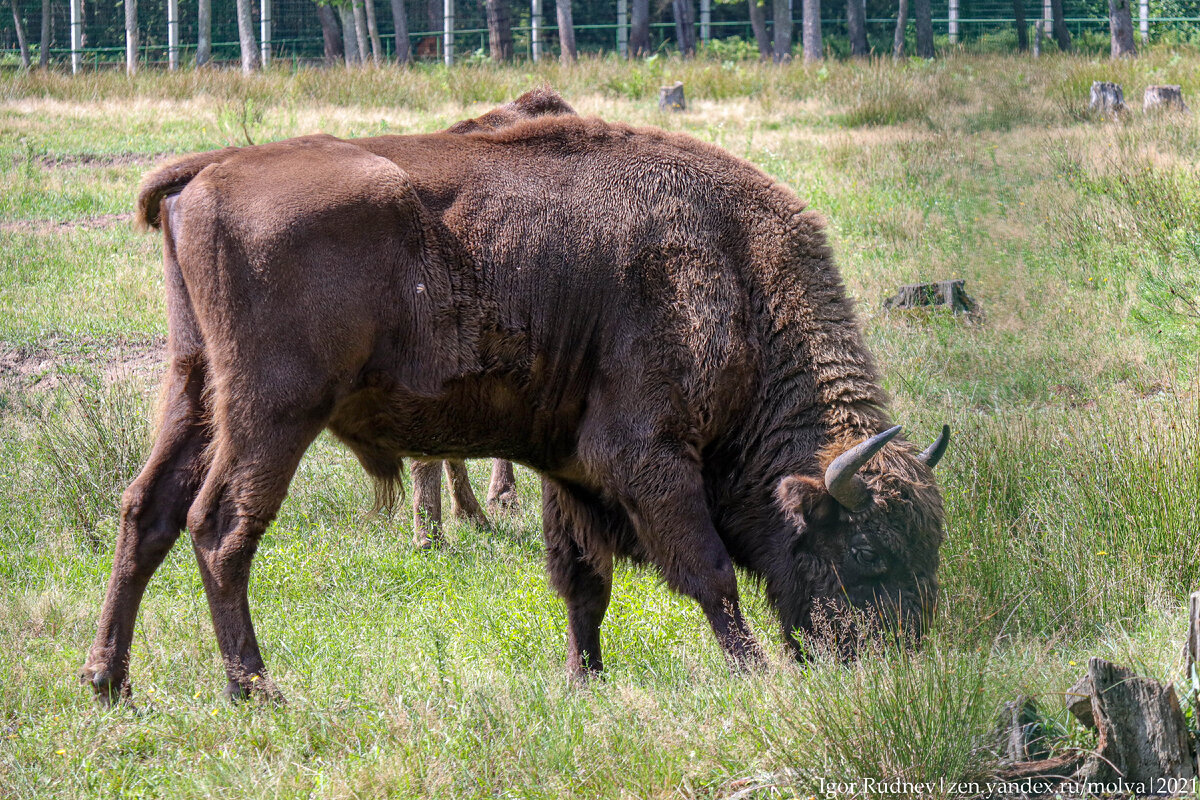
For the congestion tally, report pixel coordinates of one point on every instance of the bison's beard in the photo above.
(822, 618)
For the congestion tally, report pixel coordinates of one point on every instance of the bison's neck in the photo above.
(819, 390)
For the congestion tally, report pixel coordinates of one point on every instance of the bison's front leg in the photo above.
(253, 465)
(153, 510)
(584, 580)
(664, 496)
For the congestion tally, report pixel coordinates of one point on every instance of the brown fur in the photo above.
(654, 325)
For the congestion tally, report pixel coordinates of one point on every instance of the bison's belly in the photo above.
(473, 417)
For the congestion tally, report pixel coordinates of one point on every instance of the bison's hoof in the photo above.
(254, 688)
(108, 688)
(422, 541)
(504, 503)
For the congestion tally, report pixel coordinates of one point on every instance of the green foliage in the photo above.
(93, 443)
(733, 48)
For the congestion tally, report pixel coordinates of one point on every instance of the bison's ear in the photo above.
(806, 500)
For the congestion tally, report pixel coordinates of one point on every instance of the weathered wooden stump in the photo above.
(1163, 98)
(1019, 736)
(941, 293)
(1143, 738)
(670, 98)
(1142, 744)
(1107, 97)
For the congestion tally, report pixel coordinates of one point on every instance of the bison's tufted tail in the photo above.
(169, 180)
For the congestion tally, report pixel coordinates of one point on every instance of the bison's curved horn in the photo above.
(933, 454)
(841, 479)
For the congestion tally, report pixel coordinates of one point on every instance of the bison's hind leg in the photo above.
(153, 510)
(502, 490)
(257, 453)
(154, 507)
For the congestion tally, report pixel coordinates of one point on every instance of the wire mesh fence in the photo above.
(296, 32)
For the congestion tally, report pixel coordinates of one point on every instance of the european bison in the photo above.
(654, 325)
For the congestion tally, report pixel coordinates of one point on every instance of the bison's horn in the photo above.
(933, 454)
(841, 479)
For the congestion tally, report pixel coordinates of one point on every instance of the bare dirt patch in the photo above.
(69, 160)
(44, 226)
(48, 364)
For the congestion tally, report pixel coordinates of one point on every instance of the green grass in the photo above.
(1072, 485)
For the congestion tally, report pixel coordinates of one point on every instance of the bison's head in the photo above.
(864, 553)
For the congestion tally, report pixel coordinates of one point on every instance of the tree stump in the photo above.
(1163, 98)
(1019, 737)
(1143, 738)
(1107, 97)
(670, 98)
(941, 293)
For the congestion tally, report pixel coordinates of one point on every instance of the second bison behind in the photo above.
(654, 325)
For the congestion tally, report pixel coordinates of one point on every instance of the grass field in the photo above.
(1072, 486)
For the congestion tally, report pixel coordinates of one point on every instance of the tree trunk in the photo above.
(923, 16)
(131, 36)
(349, 39)
(639, 28)
(1022, 26)
(360, 30)
(21, 41)
(400, 20)
(758, 21)
(783, 32)
(204, 32)
(901, 29)
(685, 26)
(373, 32)
(249, 45)
(44, 49)
(330, 34)
(1120, 23)
(810, 27)
(1061, 34)
(566, 31)
(856, 25)
(499, 22)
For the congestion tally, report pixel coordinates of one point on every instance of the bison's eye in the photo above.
(868, 559)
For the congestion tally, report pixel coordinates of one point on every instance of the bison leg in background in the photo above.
(427, 497)
(153, 512)
(427, 502)
(463, 504)
(258, 451)
(584, 582)
(502, 490)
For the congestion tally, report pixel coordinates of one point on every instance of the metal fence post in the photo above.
(535, 30)
(131, 36)
(1144, 19)
(448, 33)
(953, 22)
(623, 27)
(264, 29)
(172, 34)
(76, 36)
(705, 20)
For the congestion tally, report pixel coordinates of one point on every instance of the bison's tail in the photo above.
(170, 180)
